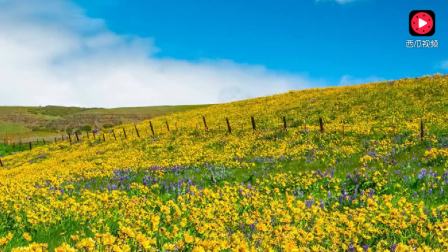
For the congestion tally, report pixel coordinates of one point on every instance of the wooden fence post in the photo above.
(115, 136)
(152, 128)
(136, 130)
(167, 126)
(422, 130)
(88, 137)
(70, 138)
(1, 163)
(252, 120)
(94, 135)
(229, 129)
(205, 123)
(284, 123)
(30, 145)
(321, 125)
(125, 135)
(104, 137)
(77, 137)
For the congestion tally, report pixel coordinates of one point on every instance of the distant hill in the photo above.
(27, 123)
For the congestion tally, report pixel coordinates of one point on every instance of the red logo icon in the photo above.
(422, 23)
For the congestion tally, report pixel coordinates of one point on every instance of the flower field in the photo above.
(372, 176)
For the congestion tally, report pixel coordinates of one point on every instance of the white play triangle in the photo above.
(421, 23)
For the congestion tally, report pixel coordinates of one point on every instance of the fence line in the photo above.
(252, 121)
(136, 130)
(125, 135)
(167, 126)
(284, 123)
(205, 123)
(321, 125)
(422, 131)
(152, 128)
(229, 129)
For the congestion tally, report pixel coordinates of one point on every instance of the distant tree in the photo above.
(86, 128)
(107, 126)
(69, 130)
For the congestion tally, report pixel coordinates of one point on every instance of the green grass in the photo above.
(6, 149)
(8, 128)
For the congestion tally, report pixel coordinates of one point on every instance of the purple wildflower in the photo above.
(371, 192)
(322, 204)
(112, 187)
(445, 177)
(433, 173)
(422, 173)
(365, 247)
(309, 203)
(332, 173)
(393, 247)
(148, 180)
(351, 248)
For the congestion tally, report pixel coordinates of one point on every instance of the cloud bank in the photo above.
(347, 80)
(52, 53)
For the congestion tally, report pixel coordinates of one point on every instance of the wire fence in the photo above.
(112, 134)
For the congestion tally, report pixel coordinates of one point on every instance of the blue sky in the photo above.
(325, 39)
(136, 53)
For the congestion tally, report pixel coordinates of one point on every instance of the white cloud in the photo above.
(52, 53)
(347, 80)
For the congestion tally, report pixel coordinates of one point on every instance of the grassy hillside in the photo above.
(28, 123)
(369, 179)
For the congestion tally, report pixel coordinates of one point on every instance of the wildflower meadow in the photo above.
(358, 168)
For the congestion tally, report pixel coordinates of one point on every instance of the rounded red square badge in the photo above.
(422, 23)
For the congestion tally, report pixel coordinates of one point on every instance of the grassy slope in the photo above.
(376, 120)
(356, 118)
(36, 122)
